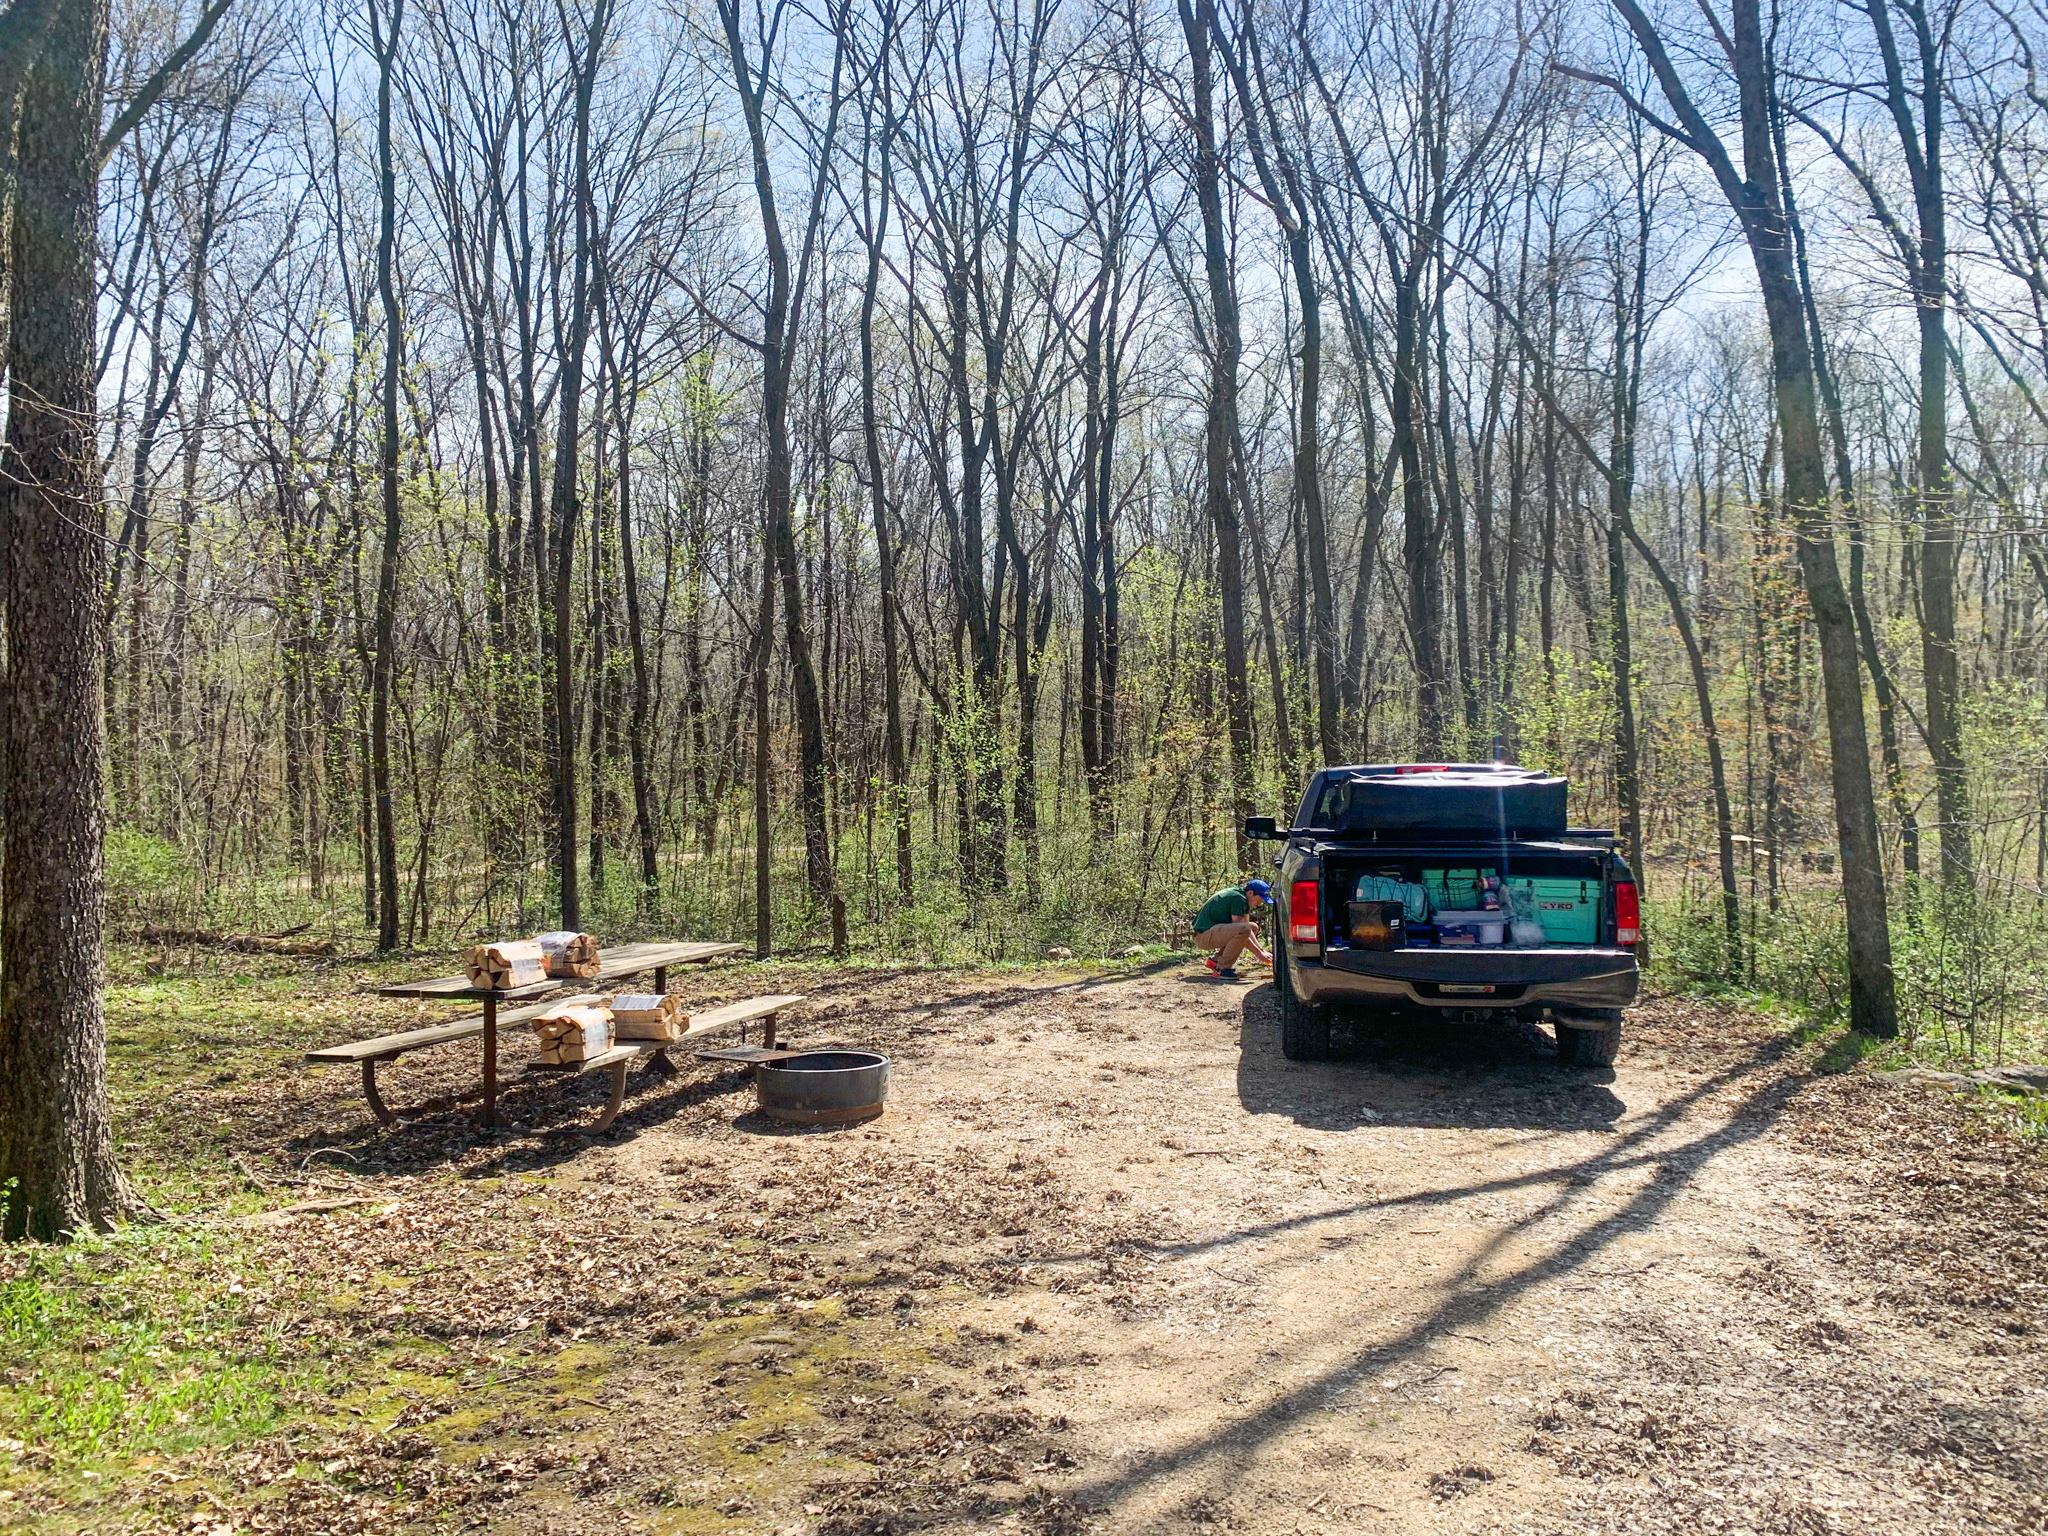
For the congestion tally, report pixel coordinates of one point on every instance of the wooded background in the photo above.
(975, 451)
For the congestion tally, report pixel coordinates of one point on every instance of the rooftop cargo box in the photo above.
(1456, 797)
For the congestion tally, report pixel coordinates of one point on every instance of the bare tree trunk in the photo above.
(562, 499)
(1451, 498)
(1092, 703)
(56, 1125)
(1927, 268)
(1220, 433)
(1753, 194)
(777, 367)
(384, 35)
(1630, 322)
(1883, 692)
(1418, 544)
(23, 27)
(764, 827)
(875, 228)
(644, 819)
(1280, 178)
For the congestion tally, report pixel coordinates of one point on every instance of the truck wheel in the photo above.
(1304, 1029)
(1591, 1037)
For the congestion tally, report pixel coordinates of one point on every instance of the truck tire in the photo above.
(1304, 1029)
(1589, 1037)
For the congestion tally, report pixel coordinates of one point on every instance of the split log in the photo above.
(569, 954)
(647, 1016)
(572, 1034)
(517, 963)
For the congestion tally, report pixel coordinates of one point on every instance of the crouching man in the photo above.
(1226, 927)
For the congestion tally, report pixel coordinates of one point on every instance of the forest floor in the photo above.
(1109, 1263)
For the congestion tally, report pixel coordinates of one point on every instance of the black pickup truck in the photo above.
(1455, 887)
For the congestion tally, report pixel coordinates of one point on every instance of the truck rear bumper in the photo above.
(1451, 978)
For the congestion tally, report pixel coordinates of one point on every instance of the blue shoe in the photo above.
(1223, 975)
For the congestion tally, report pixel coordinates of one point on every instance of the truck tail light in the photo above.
(1304, 916)
(1628, 914)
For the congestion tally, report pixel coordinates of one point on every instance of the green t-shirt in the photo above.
(1225, 906)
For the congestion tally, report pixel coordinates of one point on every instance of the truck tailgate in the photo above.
(1500, 967)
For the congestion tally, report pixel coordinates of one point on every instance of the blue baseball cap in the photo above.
(1260, 887)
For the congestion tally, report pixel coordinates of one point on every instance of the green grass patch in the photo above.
(143, 1343)
(2024, 1117)
(1849, 1050)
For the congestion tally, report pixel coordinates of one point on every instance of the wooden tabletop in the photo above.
(627, 960)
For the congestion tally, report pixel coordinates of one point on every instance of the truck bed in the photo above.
(1598, 974)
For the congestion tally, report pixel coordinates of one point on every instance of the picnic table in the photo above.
(622, 964)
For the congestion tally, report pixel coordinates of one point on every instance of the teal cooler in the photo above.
(1569, 910)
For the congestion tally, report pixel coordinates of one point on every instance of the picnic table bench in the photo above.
(622, 964)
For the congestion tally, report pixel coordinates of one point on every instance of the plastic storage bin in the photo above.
(1458, 928)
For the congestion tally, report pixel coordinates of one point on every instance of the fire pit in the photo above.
(823, 1087)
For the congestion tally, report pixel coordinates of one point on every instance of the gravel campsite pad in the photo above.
(1110, 1263)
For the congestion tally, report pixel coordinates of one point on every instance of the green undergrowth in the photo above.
(145, 1343)
(1971, 976)
(190, 1046)
(2022, 1116)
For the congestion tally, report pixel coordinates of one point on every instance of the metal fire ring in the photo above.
(823, 1087)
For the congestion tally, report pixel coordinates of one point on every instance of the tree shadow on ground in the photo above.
(1483, 1286)
(540, 1124)
(1411, 1068)
(1010, 996)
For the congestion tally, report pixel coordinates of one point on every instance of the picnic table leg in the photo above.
(384, 1116)
(768, 1032)
(490, 1061)
(615, 1103)
(661, 979)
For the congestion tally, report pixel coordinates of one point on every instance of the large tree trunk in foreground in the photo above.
(56, 1131)
(1753, 194)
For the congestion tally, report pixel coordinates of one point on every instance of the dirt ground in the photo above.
(1111, 1263)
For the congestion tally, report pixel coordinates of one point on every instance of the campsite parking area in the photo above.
(1108, 1262)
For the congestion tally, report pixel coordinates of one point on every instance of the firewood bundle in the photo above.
(573, 1034)
(647, 1016)
(517, 963)
(569, 954)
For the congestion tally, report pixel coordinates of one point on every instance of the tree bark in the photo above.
(764, 827)
(1883, 693)
(56, 1124)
